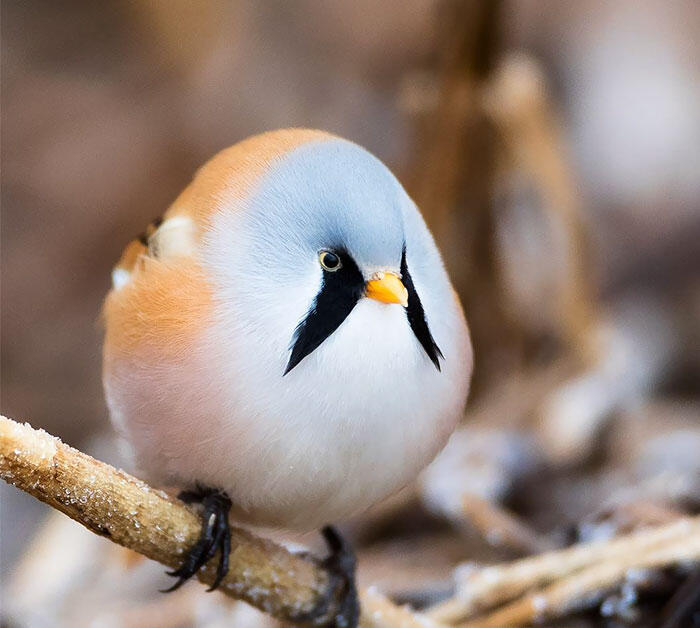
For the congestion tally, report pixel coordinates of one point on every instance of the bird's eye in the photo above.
(329, 260)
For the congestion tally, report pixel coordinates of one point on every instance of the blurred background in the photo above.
(554, 149)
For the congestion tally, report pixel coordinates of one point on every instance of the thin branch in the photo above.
(379, 612)
(585, 588)
(123, 509)
(499, 527)
(574, 573)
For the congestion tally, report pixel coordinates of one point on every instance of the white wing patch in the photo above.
(175, 237)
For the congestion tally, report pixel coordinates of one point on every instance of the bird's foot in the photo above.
(215, 535)
(340, 564)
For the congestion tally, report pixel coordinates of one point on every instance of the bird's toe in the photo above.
(215, 535)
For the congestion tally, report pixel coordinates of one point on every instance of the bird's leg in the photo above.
(341, 593)
(340, 563)
(215, 535)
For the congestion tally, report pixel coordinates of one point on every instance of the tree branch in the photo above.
(116, 505)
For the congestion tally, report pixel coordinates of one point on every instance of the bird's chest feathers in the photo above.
(368, 386)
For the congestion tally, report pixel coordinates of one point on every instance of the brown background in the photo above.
(108, 108)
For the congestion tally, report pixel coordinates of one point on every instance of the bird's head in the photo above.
(321, 228)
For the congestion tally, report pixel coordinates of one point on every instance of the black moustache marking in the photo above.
(339, 293)
(416, 317)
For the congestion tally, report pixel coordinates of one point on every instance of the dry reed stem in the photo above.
(490, 586)
(501, 528)
(585, 588)
(123, 509)
(379, 612)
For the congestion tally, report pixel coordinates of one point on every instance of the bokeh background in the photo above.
(554, 148)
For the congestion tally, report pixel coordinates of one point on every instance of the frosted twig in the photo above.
(499, 527)
(123, 509)
(585, 588)
(487, 587)
(379, 612)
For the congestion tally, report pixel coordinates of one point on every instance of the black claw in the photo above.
(341, 565)
(215, 535)
(222, 542)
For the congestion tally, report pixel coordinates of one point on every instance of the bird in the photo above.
(284, 344)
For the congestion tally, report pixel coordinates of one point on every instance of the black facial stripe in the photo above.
(339, 293)
(416, 317)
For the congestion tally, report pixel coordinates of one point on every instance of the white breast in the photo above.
(354, 422)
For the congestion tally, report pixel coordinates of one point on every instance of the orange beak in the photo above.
(387, 288)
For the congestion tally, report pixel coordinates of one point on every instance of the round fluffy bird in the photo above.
(285, 342)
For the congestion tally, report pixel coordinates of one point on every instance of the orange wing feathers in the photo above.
(161, 299)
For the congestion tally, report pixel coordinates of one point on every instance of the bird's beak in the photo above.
(387, 288)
